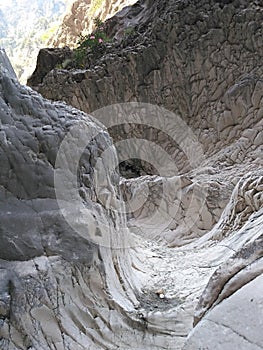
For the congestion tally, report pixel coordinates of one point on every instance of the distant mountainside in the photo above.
(3, 25)
(25, 27)
(80, 19)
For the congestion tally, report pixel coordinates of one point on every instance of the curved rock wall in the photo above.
(202, 61)
(59, 283)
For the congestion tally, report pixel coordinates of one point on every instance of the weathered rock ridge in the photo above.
(195, 227)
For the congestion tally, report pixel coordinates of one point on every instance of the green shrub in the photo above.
(90, 44)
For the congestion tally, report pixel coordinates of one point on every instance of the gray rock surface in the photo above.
(196, 59)
(195, 234)
(223, 328)
(47, 60)
(53, 278)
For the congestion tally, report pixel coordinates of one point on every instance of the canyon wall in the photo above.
(61, 270)
(173, 259)
(199, 60)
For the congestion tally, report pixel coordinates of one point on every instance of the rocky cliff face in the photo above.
(80, 19)
(51, 23)
(182, 98)
(197, 60)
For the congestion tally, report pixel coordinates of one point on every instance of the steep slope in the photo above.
(71, 272)
(197, 59)
(188, 60)
(52, 23)
(80, 19)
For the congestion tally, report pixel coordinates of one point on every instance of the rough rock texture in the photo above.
(58, 289)
(80, 19)
(47, 59)
(194, 58)
(201, 60)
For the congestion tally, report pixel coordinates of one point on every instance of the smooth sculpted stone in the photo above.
(202, 61)
(181, 95)
(224, 326)
(229, 311)
(62, 279)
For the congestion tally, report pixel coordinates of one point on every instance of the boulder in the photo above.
(48, 59)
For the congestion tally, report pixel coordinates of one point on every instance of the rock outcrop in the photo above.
(183, 102)
(47, 60)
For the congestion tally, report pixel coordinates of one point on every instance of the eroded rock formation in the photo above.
(52, 277)
(196, 232)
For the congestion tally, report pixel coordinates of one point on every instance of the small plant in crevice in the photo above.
(131, 36)
(91, 44)
(129, 32)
